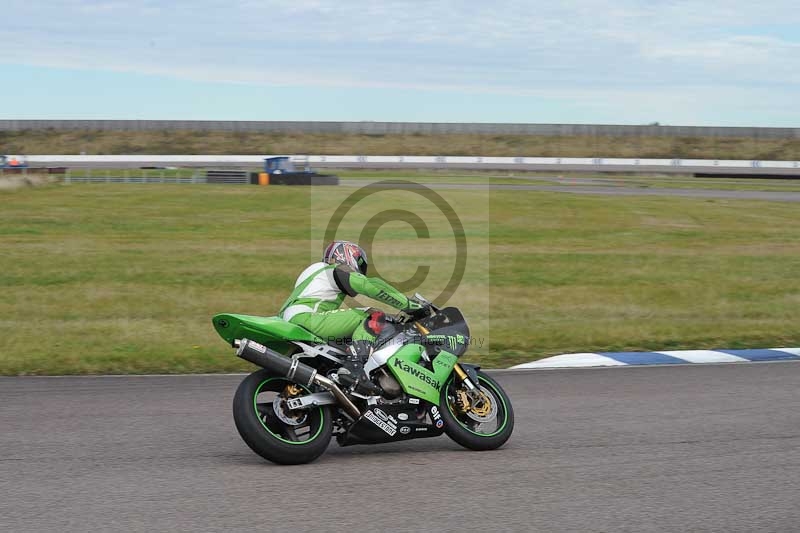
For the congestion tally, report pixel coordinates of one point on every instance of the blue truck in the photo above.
(282, 171)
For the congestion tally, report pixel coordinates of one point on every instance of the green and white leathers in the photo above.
(319, 292)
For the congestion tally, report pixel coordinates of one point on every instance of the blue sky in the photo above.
(687, 62)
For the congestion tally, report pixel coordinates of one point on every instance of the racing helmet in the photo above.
(346, 253)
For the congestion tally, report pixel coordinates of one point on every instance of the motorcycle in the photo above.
(288, 411)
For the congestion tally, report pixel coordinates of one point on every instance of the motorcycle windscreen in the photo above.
(448, 331)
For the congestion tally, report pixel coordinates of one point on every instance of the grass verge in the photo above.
(124, 278)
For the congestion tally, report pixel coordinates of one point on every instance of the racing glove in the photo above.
(416, 310)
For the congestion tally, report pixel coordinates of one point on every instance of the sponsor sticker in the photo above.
(405, 430)
(386, 427)
(413, 400)
(383, 416)
(257, 347)
(450, 341)
(402, 416)
(439, 423)
(388, 298)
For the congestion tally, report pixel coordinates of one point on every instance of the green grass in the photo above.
(677, 181)
(218, 142)
(125, 278)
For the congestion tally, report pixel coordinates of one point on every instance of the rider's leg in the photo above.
(334, 327)
(358, 326)
(361, 349)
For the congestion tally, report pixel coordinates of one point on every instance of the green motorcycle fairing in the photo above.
(271, 331)
(417, 380)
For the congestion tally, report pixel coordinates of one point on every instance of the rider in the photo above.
(318, 294)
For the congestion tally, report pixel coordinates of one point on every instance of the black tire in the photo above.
(468, 432)
(267, 435)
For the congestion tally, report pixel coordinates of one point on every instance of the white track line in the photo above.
(705, 356)
(572, 360)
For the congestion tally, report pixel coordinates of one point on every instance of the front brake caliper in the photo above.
(462, 401)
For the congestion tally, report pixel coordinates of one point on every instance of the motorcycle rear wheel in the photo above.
(285, 437)
(484, 426)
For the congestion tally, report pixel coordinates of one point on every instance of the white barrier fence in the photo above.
(719, 166)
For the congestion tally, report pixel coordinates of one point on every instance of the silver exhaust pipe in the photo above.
(293, 370)
(348, 405)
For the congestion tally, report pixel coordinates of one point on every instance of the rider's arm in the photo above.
(353, 283)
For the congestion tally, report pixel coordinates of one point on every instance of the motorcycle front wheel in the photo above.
(273, 431)
(479, 421)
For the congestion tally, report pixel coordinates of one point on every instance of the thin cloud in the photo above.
(589, 49)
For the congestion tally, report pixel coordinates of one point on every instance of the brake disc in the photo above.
(483, 406)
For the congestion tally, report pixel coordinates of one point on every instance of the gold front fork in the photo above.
(460, 372)
(473, 400)
(462, 400)
(462, 375)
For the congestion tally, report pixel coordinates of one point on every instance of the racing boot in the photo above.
(351, 373)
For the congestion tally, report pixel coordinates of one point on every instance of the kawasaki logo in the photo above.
(416, 372)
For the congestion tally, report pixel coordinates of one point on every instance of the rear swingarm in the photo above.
(311, 400)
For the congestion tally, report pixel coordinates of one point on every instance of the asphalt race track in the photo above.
(672, 448)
